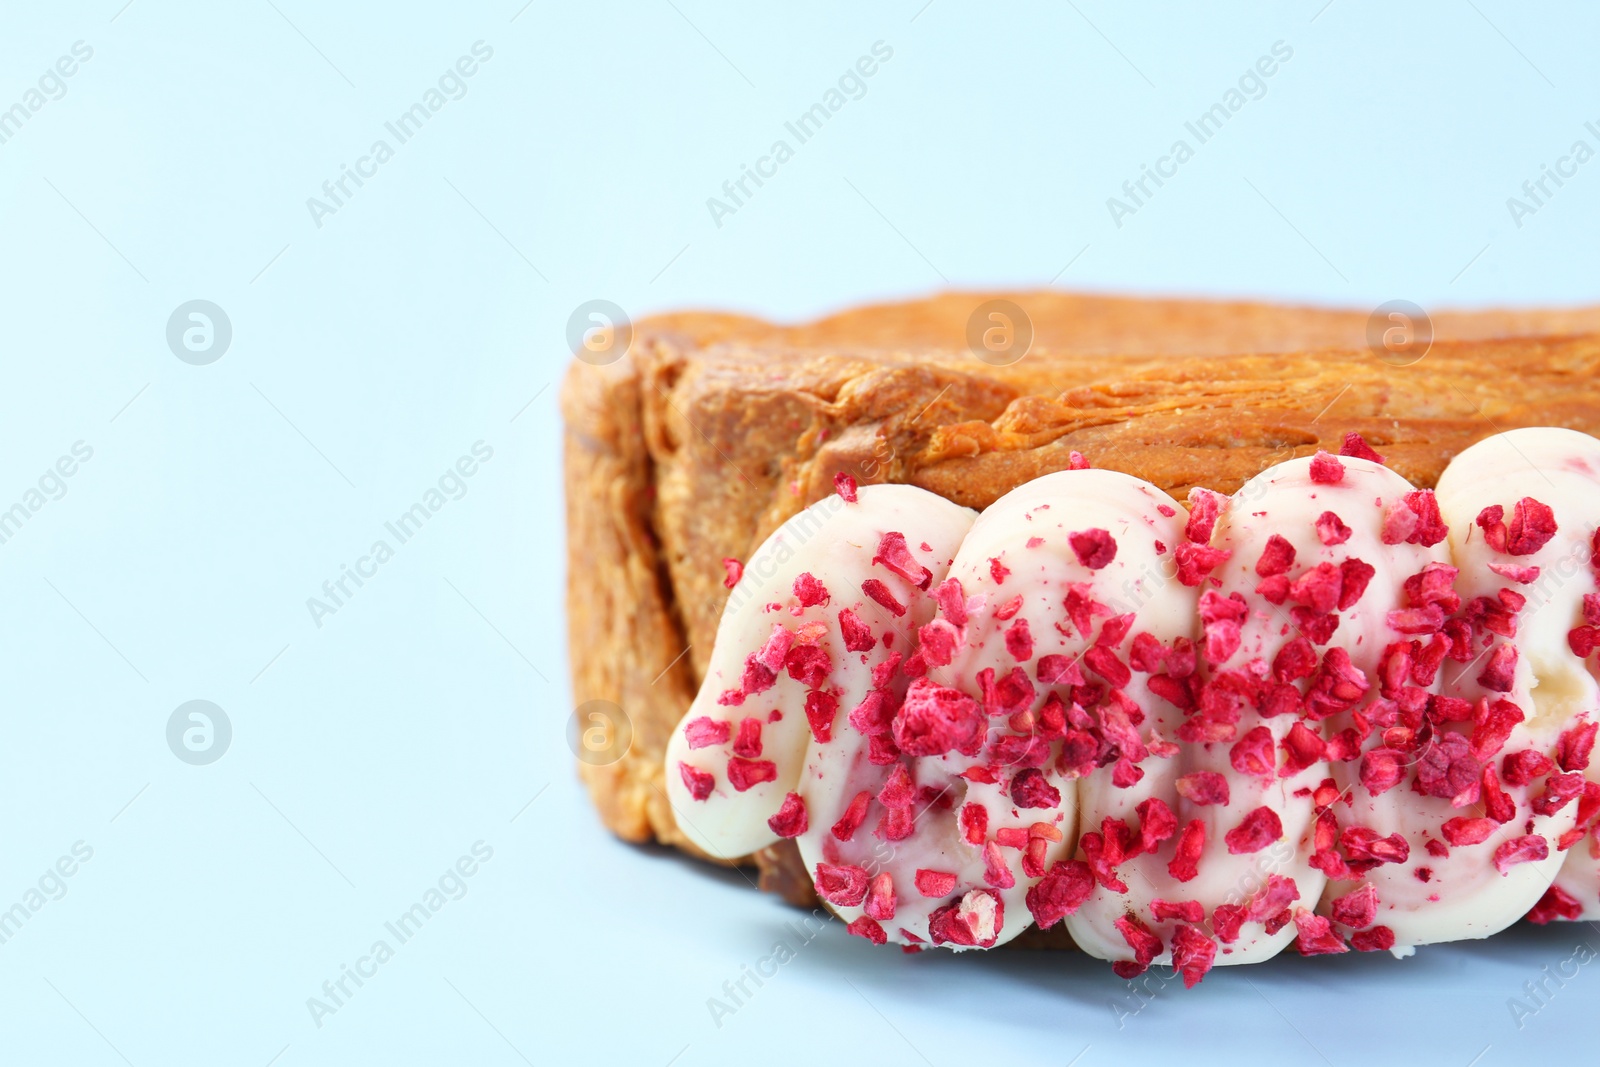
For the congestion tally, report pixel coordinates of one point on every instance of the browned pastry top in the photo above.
(747, 423)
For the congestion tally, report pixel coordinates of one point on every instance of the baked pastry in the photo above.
(717, 430)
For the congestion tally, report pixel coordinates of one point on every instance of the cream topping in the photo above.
(1332, 710)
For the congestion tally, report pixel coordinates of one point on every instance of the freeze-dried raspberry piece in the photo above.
(934, 883)
(1104, 662)
(744, 773)
(952, 601)
(975, 921)
(1433, 584)
(995, 870)
(896, 556)
(1276, 558)
(998, 571)
(843, 885)
(1040, 837)
(748, 743)
(1113, 630)
(1491, 520)
(854, 815)
(1222, 618)
(1529, 848)
(1512, 572)
(1005, 611)
(734, 571)
(1156, 823)
(1055, 669)
(1523, 766)
(974, 823)
(1459, 831)
(1426, 620)
(1145, 944)
(1012, 836)
(1357, 447)
(1314, 935)
(1532, 526)
(1019, 641)
(1377, 939)
(1354, 575)
(821, 709)
(1337, 685)
(1226, 922)
(809, 591)
(1447, 768)
(1295, 660)
(1147, 655)
(1301, 748)
(1331, 530)
(791, 819)
(1325, 469)
(1095, 548)
(698, 782)
(1082, 607)
(936, 719)
(1367, 850)
(899, 791)
(1185, 862)
(875, 714)
(1414, 519)
(1583, 640)
(1204, 508)
(706, 731)
(1559, 791)
(1556, 903)
(1254, 753)
(879, 594)
(1060, 893)
(1104, 849)
(1318, 588)
(845, 486)
(1203, 787)
(1493, 725)
(1191, 911)
(1500, 672)
(1007, 695)
(1126, 773)
(897, 824)
(867, 927)
(1030, 790)
(881, 750)
(883, 672)
(1497, 803)
(1576, 746)
(857, 636)
(761, 668)
(1448, 709)
(939, 641)
(1275, 589)
(881, 903)
(1588, 813)
(1195, 561)
(1357, 908)
(1316, 626)
(1255, 832)
(1193, 954)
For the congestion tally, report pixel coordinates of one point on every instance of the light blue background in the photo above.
(429, 313)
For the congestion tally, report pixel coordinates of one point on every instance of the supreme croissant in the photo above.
(1232, 683)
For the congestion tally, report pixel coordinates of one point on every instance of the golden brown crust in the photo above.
(624, 639)
(718, 428)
